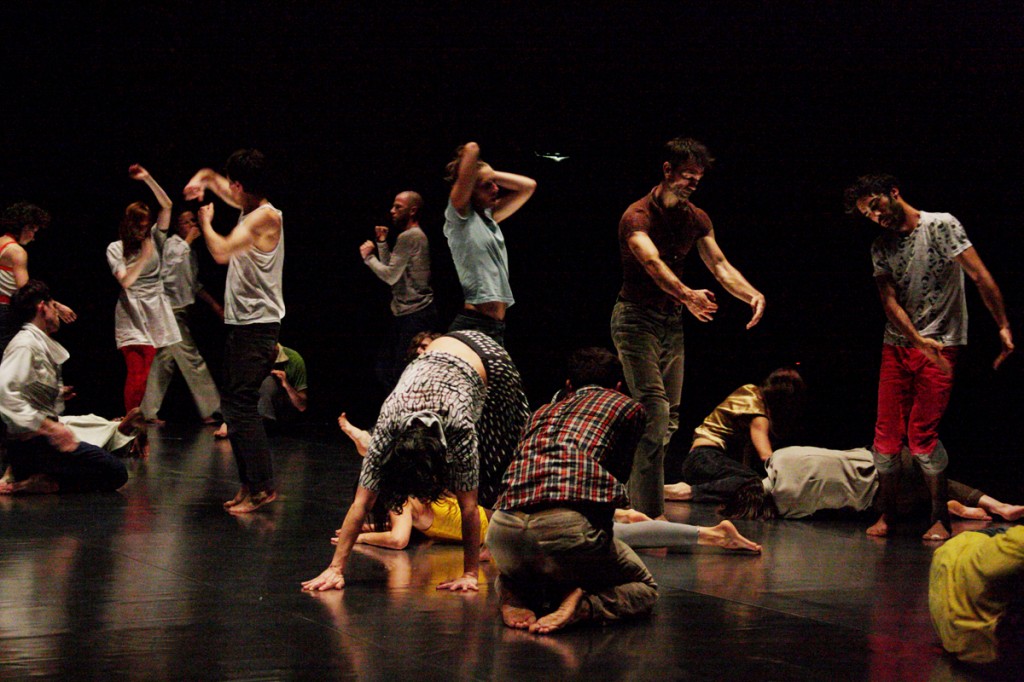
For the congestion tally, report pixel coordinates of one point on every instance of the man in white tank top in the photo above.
(253, 309)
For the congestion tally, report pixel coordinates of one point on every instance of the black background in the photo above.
(354, 103)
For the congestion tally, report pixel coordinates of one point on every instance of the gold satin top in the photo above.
(447, 523)
(728, 425)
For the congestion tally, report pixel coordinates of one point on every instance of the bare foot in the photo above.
(1010, 512)
(253, 502)
(242, 493)
(8, 476)
(629, 516)
(976, 513)
(222, 432)
(679, 492)
(39, 484)
(572, 609)
(936, 532)
(880, 529)
(360, 437)
(518, 617)
(726, 536)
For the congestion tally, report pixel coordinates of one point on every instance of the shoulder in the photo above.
(13, 253)
(637, 217)
(452, 215)
(412, 236)
(701, 219)
(115, 249)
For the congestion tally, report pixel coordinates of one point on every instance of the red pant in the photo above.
(138, 360)
(912, 396)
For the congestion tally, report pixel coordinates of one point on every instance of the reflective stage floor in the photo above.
(158, 582)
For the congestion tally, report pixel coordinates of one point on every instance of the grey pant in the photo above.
(542, 556)
(650, 346)
(186, 356)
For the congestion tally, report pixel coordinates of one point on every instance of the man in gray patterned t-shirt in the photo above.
(919, 264)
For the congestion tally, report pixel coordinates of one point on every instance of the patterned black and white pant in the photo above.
(504, 413)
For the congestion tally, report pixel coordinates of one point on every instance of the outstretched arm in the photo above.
(207, 178)
(470, 544)
(970, 261)
(397, 537)
(899, 318)
(19, 268)
(163, 218)
(520, 189)
(729, 277)
(333, 577)
(700, 302)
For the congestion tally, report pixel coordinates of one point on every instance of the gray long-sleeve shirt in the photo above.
(406, 269)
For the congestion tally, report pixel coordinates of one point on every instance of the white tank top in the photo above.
(253, 291)
(7, 284)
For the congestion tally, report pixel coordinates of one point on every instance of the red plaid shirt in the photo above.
(576, 450)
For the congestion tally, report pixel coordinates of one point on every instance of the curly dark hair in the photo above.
(250, 168)
(865, 186)
(750, 501)
(25, 300)
(683, 150)
(411, 352)
(416, 467)
(17, 217)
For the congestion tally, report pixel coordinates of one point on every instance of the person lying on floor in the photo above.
(737, 437)
(45, 455)
(442, 520)
(804, 480)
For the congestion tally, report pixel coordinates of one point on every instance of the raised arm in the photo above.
(207, 178)
(729, 277)
(520, 189)
(462, 190)
(971, 262)
(332, 578)
(242, 237)
(163, 218)
(700, 302)
(760, 436)
(899, 318)
(390, 266)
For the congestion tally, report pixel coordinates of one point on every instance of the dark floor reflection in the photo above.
(157, 582)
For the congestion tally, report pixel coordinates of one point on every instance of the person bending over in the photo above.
(451, 424)
(740, 428)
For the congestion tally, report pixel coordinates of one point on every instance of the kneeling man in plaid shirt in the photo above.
(551, 537)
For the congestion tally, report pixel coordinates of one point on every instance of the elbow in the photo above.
(529, 186)
(220, 258)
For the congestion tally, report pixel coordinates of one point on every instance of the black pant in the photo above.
(88, 468)
(249, 354)
(713, 475)
(472, 320)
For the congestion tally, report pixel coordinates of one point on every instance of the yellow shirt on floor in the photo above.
(969, 588)
(447, 523)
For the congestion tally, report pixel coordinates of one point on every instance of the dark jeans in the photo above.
(391, 361)
(713, 475)
(249, 353)
(88, 468)
(471, 320)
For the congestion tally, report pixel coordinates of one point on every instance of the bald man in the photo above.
(407, 270)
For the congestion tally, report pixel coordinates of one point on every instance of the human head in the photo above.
(783, 393)
(185, 222)
(750, 501)
(419, 344)
(685, 162)
(594, 367)
(22, 220)
(416, 465)
(485, 192)
(134, 228)
(33, 302)
(877, 198)
(406, 209)
(248, 170)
